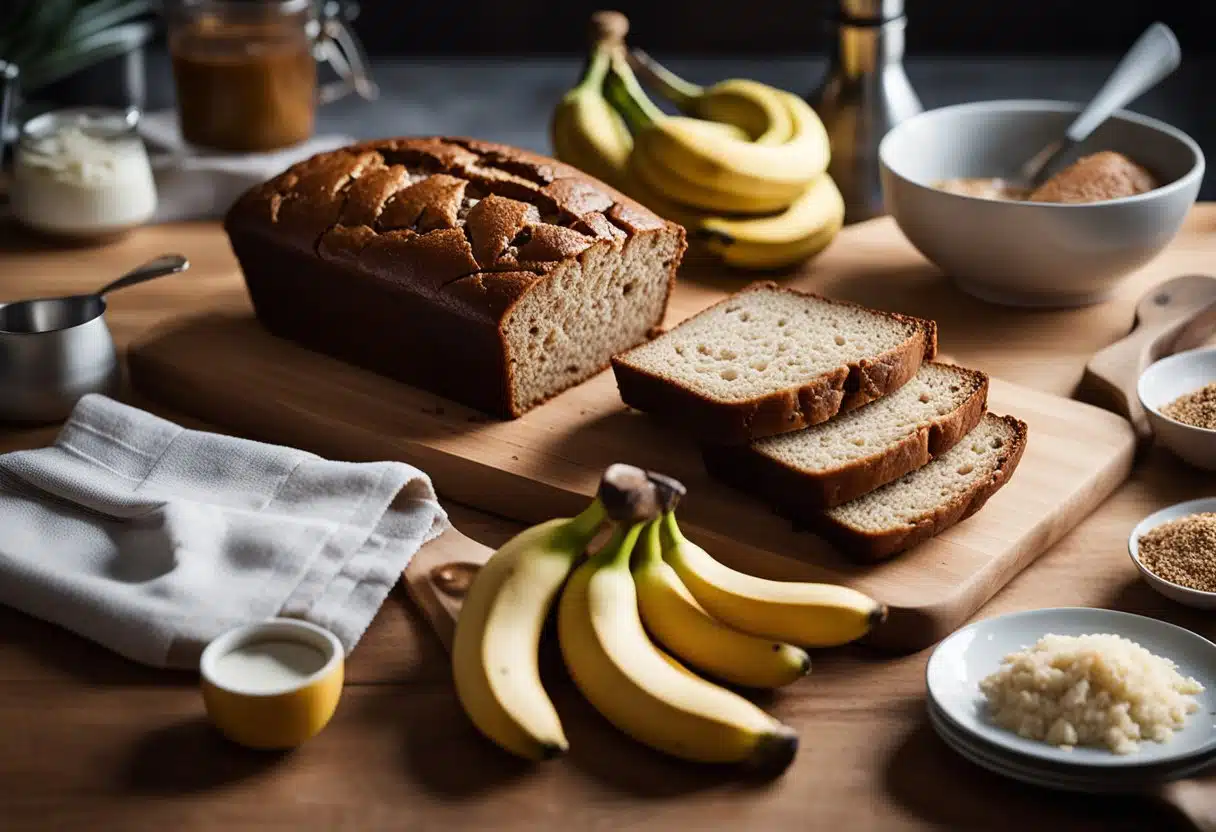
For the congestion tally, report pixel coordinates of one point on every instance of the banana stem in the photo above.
(627, 96)
(627, 494)
(596, 70)
(669, 490)
(652, 544)
(608, 27)
(683, 94)
(617, 550)
(672, 536)
(607, 30)
(587, 523)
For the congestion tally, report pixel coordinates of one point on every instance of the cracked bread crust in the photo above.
(738, 422)
(871, 547)
(799, 492)
(417, 257)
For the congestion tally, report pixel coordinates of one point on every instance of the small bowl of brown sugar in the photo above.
(1175, 551)
(1179, 395)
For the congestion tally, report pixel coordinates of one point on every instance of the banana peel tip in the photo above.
(774, 753)
(878, 615)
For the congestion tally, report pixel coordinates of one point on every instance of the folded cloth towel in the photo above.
(193, 183)
(151, 539)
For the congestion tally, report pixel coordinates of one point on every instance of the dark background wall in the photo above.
(970, 27)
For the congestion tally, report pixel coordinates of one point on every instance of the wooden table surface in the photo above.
(91, 741)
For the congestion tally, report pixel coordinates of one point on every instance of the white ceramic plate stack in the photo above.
(958, 712)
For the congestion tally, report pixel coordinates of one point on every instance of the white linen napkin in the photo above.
(152, 539)
(193, 183)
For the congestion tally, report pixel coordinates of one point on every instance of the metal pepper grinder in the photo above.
(863, 95)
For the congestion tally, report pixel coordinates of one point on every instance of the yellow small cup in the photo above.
(272, 684)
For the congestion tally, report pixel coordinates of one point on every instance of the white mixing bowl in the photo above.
(1032, 253)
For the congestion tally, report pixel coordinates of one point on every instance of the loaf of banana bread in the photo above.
(486, 274)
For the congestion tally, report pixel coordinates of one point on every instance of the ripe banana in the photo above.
(730, 164)
(680, 624)
(799, 232)
(693, 150)
(754, 107)
(494, 653)
(808, 614)
(592, 132)
(652, 172)
(586, 131)
(631, 683)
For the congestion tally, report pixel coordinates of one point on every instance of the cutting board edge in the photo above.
(924, 620)
(945, 615)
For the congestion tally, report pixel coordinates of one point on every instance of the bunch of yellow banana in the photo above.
(742, 168)
(647, 581)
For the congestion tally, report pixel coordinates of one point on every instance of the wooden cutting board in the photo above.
(222, 367)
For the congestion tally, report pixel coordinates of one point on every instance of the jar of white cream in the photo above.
(82, 173)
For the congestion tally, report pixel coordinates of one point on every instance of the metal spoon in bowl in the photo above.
(1153, 56)
(55, 350)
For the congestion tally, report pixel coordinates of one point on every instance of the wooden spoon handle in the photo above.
(1176, 315)
(440, 574)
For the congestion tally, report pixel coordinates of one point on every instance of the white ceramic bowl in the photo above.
(1032, 253)
(1173, 591)
(1166, 380)
(959, 663)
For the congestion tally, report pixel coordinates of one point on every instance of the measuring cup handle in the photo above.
(159, 267)
(337, 46)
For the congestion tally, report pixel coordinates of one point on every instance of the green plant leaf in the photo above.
(101, 46)
(98, 16)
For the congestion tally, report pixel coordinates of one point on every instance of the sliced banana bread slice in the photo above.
(931, 499)
(769, 360)
(841, 459)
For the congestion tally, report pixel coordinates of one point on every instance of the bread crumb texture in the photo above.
(764, 340)
(937, 390)
(1093, 690)
(918, 495)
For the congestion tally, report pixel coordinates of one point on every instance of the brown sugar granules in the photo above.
(1197, 408)
(1183, 551)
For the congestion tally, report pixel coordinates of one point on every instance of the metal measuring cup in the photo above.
(55, 350)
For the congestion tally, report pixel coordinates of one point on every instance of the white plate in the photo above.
(956, 745)
(1078, 779)
(1133, 770)
(963, 659)
(1055, 780)
(1173, 591)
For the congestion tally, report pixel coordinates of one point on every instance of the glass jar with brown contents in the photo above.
(246, 72)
